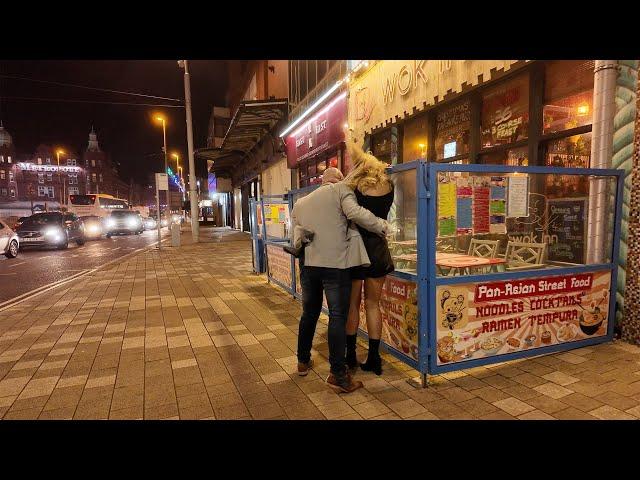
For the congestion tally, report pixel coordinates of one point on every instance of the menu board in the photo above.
(498, 205)
(518, 201)
(477, 320)
(464, 206)
(279, 264)
(399, 313)
(481, 195)
(446, 206)
(566, 222)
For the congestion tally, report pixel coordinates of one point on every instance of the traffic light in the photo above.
(169, 171)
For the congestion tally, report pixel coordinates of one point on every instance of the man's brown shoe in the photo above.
(343, 383)
(303, 368)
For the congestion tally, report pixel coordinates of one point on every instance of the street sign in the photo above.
(162, 181)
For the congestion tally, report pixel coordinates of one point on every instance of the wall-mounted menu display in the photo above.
(480, 205)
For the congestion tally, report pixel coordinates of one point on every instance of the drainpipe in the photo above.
(604, 109)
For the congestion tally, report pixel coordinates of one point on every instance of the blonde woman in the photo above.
(374, 191)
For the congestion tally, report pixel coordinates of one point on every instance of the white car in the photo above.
(9, 241)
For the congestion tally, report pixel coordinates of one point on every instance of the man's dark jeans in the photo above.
(336, 284)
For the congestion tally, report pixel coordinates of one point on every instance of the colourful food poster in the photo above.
(446, 200)
(268, 218)
(464, 187)
(446, 227)
(399, 312)
(281, 214)
(465, 215)
(481, 195)
(477, 320)
(498, 224)
(275, 213)
(497, 207)
(279, 265)
(518, 196)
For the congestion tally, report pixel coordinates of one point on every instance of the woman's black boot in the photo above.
(374, 362)
(351, 359)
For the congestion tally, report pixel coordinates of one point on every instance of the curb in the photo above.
(45, 288)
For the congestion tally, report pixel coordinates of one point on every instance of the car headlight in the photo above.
(93, 228)
(132, 223)
(111, 223)
(54, 234)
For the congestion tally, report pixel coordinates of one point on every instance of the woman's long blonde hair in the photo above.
(368, 171)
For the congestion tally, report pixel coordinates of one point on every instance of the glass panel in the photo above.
(505, 112)
(513, 156)
(452, 131)
(568, 95)
(277, 220)
(402, 216)
(414, 139)
(570, 152)
(508, 222)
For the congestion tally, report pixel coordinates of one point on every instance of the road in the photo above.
(35, 268)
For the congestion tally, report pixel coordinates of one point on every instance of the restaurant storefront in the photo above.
(319, 142)
(502, 112)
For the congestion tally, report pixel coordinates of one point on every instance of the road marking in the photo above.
(16, 264)
(8, 273)
(45, 288)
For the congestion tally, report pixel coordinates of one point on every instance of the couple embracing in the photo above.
(341, 231)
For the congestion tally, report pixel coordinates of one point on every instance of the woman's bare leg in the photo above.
(354, 307)
(372, 294)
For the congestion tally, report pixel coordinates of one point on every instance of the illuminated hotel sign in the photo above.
(33, 167)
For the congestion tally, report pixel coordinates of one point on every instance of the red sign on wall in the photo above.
(321, 132)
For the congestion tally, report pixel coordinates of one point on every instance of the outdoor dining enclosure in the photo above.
(493, 262)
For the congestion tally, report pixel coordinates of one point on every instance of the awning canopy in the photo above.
(252, 121)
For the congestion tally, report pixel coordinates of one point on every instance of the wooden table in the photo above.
(456, 261)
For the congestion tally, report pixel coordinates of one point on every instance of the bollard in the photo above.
(175, 234)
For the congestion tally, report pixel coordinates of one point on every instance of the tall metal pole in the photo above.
(164, 136)
(195, 227)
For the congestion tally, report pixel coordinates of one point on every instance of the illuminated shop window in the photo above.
(568, 95)
(414, 138)
(505, 112)
(453, 125)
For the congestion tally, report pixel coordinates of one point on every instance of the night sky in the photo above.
(127, 133)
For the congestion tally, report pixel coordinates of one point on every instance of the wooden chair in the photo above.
(484, 249)
(525, 256)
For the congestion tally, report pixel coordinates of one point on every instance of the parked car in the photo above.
(150, 223)
(9, 241)
(54, 229)
(123, 221)
(93, 227)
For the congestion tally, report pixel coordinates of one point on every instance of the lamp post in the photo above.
(58, 153)
(163, 120)
(195, 227)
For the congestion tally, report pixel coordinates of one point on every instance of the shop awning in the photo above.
(251, 123)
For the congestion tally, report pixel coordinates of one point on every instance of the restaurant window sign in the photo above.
(505, 113)
(324, 131)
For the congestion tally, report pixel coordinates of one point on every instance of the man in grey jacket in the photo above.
(325, 267)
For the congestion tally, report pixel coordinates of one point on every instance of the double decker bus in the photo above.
(96, 204)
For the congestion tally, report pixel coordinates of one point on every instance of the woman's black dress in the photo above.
(377, 248)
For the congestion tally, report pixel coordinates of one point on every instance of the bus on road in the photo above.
(95, 204)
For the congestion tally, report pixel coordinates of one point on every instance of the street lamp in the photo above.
(163, 120)
(195, 227)
(58, 153)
